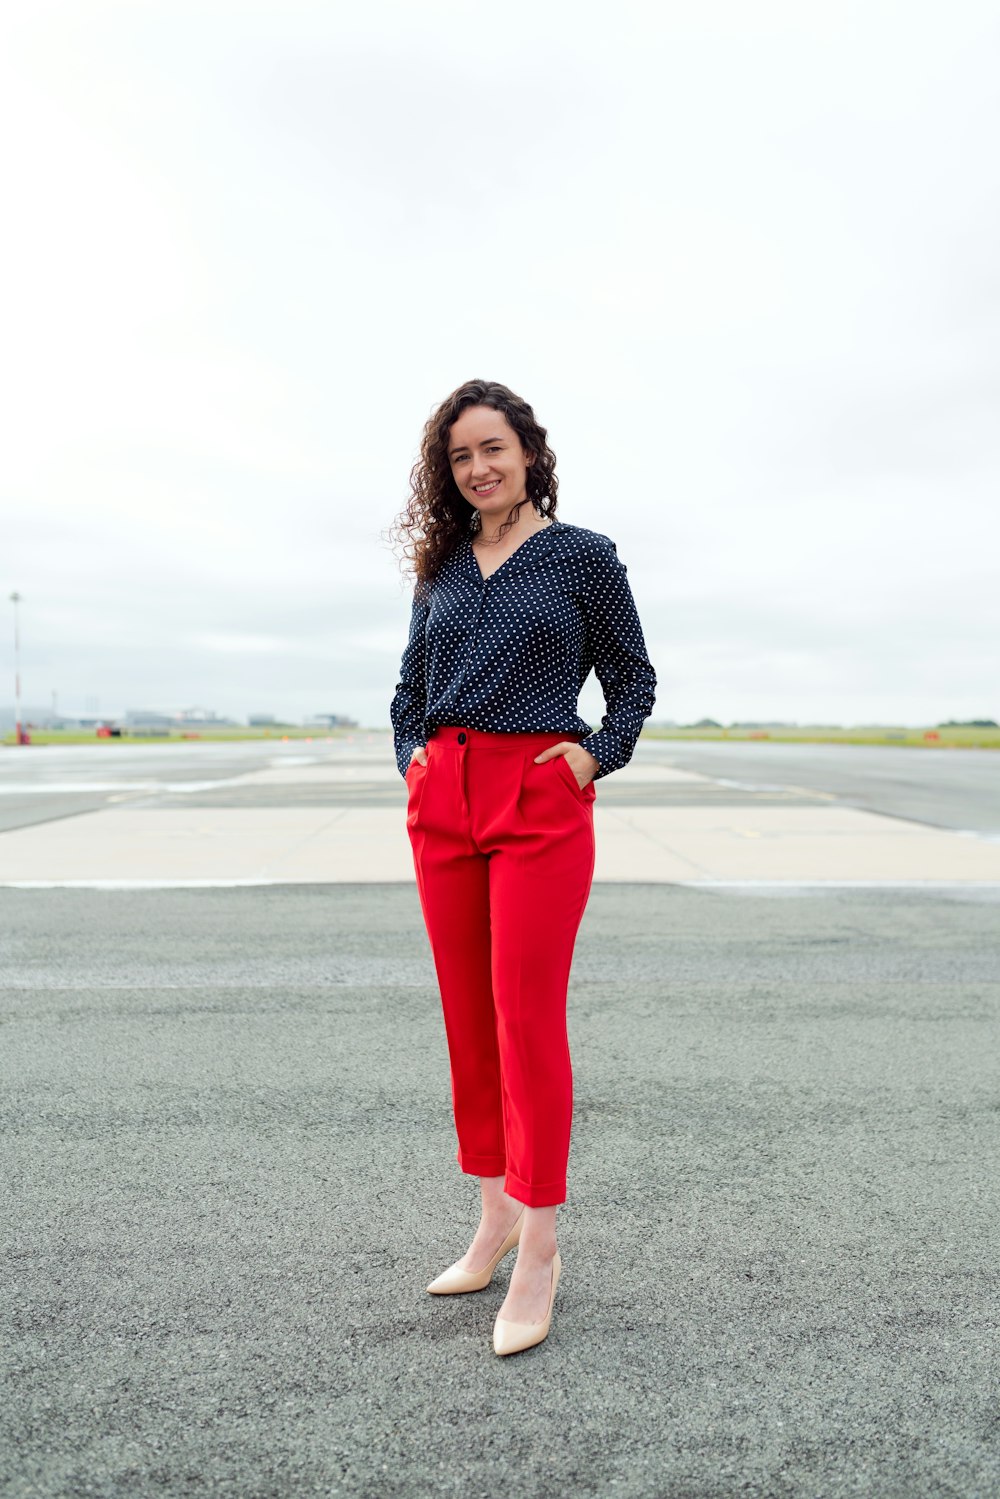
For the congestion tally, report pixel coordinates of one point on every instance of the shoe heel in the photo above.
(513, 1337)
(454, 1282)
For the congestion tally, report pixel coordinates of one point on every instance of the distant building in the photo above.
(41, 718)
(150, 718)
(331, 721)
(204, 716)
(44, 718)
(147, 718)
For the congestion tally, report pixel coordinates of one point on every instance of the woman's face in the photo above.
(487, 461)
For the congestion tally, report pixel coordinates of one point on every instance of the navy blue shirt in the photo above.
(510, 653)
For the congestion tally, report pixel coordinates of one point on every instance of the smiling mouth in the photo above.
(486, 488)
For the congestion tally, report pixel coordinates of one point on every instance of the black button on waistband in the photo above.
(462, 738)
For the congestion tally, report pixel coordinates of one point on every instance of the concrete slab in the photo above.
(309, 844)
(799, 843)
(326, 773)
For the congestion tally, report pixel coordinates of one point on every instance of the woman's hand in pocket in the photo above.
(581, 762)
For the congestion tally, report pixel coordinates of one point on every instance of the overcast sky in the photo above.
(741, 259)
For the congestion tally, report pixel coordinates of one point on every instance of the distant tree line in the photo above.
(774, 723)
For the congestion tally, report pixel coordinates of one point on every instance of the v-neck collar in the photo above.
(542, 530)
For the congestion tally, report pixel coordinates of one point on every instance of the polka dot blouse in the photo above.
(510, 653)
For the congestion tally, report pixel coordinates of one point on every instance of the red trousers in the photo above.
(504, 856)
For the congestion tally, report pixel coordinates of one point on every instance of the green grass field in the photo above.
(934, 738)
(950, 738)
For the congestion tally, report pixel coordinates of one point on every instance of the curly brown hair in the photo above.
(437, 516)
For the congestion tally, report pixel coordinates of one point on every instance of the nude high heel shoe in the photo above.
(452, 1281)
(511, 1337)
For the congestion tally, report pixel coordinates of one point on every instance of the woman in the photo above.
(512, 609)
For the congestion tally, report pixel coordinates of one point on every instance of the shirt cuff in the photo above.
(601, 753)
(404, 754)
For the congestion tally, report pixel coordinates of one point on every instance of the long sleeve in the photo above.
(616, 645)
(409, 706)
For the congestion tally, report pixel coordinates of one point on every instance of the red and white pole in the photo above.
(18, 731)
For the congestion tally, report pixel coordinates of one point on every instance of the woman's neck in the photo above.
(526, 524)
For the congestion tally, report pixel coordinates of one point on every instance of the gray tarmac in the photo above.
(944, 788)
(229, 1173)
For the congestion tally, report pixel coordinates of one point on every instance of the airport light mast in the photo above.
(15, 599)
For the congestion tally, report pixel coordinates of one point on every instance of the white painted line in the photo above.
(832, 884)
(191, 884)
(66, 788)
(705, 884)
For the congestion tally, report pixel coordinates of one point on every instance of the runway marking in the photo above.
(832, 884)
(706, 884)
(191, 884)
(68, 788)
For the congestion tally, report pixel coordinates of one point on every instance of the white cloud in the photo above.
(740, 260)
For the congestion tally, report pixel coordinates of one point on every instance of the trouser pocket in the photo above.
(565, 770)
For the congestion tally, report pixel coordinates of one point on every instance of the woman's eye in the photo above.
(465, 457)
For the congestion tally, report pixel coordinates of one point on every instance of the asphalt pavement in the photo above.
(228, 1174)
(944, 788)
(227, 1163)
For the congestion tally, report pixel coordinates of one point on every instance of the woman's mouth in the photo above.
(486, 488)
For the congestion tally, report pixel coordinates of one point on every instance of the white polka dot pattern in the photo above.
(511, 654)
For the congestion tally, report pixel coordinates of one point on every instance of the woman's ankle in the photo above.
(538, 1234)
(495, 1201)
(538, 1250)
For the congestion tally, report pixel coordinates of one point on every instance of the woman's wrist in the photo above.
(592, 761)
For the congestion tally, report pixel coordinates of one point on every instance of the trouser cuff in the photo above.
(535, 1194)
(481, 1165)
